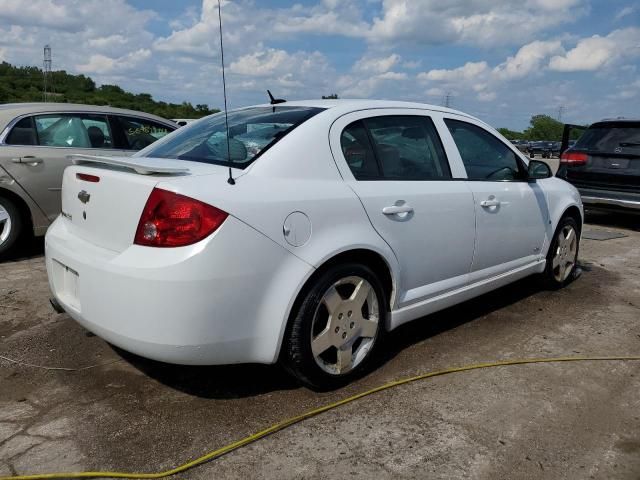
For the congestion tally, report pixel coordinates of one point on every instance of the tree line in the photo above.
(541, 127)
(25, 84)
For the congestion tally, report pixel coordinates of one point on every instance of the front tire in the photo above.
(562, 259)
(338, 327)
(10, 226)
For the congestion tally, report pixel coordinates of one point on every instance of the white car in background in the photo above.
(343, 220)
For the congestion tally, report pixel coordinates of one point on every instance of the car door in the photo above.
(512, 213)
(36, 151)
(395, 162)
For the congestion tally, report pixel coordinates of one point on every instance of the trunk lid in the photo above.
(106, 212)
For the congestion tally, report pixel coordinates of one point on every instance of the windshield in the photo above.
(251, 132)
(622, 137)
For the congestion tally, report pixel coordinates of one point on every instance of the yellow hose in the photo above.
(311, 413)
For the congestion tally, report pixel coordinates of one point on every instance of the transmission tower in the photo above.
(46, 71)
(560, 112)
(447, 100)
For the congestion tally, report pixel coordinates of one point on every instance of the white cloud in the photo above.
(596, 52)
(528, 59)
(484, 22)
(626, 11)
(469, 71)
(376, 64)
(106, 65)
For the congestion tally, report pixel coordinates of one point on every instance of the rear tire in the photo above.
(562, 258)
(338, 328)
(11, 226)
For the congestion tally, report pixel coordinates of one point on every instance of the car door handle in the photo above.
(490, 203)
(28, 159)
(395, 209)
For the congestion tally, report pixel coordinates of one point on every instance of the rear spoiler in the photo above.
(141, 165)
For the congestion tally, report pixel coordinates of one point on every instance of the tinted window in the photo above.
(73, 130)
(23, 133)
(251, 132)
(408, 148)
(607, 137)
(140, 133)
(358, 153)
(484, 156)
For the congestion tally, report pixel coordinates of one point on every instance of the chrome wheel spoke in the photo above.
(556, 260)
(361, 292)
(322, 342)
(4, 215)
(345, 359)
(332, 300)
(369, 328)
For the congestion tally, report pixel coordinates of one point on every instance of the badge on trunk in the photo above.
(83, 196)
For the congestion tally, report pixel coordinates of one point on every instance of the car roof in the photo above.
(9, 111)
(619, 119)
(342, 106)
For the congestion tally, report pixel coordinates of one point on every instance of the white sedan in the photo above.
(312, 231)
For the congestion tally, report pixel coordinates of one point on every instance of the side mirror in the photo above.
(538, 170)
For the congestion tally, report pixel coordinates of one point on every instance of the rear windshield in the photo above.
(251, 132)
(611, 137)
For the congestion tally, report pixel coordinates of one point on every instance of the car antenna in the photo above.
(230, 180)
(275, 101)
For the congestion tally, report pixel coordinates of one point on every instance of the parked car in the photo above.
(545, 149)
(35, 141)
(330, 223)
(604, 164)
(183, 121)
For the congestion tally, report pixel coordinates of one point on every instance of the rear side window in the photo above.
(73, 130)
(140, 133)
(23, 133)
(408, 148)
(358, 152)
(613, 137)
(484, 156)
(394, 147)
(251, 132)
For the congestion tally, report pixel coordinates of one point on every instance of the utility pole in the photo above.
(46, 71)
(560, 112)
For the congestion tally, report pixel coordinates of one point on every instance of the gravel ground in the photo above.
(574, 420)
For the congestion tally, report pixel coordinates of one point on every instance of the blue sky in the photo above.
(501, 60)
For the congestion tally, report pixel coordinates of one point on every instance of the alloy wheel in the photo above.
(564, 257)
(5, 224)
(345, 325)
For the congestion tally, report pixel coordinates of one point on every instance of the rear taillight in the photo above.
(173, 220)
(573, 158)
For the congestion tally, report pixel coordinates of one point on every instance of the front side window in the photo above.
(251, 132)
(73, 130)
(23, 133)
(484, 156)
(408, 148)
(140, 133)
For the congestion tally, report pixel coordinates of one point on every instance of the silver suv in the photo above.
(35, 142)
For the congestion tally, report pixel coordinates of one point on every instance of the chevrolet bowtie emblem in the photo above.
(83, 196)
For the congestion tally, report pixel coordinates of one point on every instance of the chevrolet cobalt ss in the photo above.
(304, 237)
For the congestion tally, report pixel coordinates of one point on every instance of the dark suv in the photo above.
(604, 165)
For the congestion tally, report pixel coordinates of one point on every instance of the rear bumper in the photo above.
(607, 199)
(223, 300)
